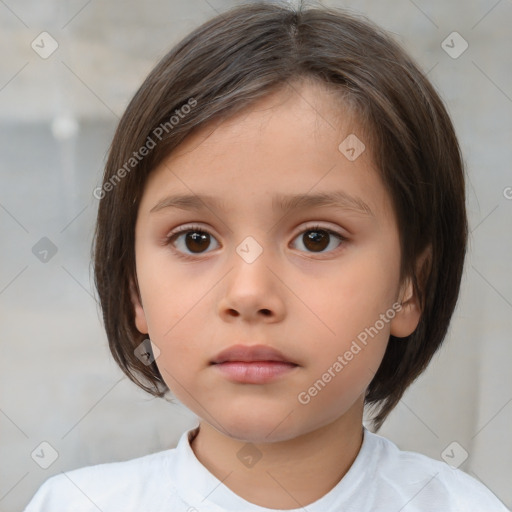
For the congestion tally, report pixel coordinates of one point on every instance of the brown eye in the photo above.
(197, 241)
(192, 241)
(318, 239)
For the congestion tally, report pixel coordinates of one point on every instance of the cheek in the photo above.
(168, 295)
(170, 308)
(341, 373)
(350, 303)
(354, 294)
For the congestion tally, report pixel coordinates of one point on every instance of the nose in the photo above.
(252, 292)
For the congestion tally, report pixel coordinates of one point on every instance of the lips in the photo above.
(253, 364)
(249, 354)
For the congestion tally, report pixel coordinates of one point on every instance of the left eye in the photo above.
(317, 239)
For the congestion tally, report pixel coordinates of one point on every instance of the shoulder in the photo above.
(90, 487)
(427, 484)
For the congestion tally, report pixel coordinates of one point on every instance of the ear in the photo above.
(408, 317)
(140, 316)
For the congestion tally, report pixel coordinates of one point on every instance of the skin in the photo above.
(308, 304)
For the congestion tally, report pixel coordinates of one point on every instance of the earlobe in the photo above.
(408, 317)
(140, 315)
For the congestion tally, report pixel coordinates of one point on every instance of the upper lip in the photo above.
(250, 353)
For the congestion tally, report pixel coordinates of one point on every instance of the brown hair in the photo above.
(237, 58)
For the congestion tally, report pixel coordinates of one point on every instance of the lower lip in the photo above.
(255, 372)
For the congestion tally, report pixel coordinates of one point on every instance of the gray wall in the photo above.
(58, 382)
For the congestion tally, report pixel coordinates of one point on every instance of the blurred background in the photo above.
(67, 72)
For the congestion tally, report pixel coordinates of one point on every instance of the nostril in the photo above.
(266, 312)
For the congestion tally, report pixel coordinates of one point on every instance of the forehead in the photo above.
(316, 109)
(291, 142)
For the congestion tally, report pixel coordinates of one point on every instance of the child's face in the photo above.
(308, 298)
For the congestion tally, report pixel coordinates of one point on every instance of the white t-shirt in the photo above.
(381, 479)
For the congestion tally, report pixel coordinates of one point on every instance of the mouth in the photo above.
(250, 354)
(255, 364)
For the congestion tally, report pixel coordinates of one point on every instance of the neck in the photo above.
(289, 474)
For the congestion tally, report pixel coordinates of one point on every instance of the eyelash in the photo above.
(194, 229)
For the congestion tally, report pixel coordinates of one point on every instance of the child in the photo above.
(265, 132)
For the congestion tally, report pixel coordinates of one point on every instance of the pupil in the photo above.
(319, 240)
(197, 241)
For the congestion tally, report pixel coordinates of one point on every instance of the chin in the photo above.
(260, 428)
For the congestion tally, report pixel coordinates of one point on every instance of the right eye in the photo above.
(191, 238)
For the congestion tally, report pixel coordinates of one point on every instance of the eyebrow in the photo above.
(337, 199)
